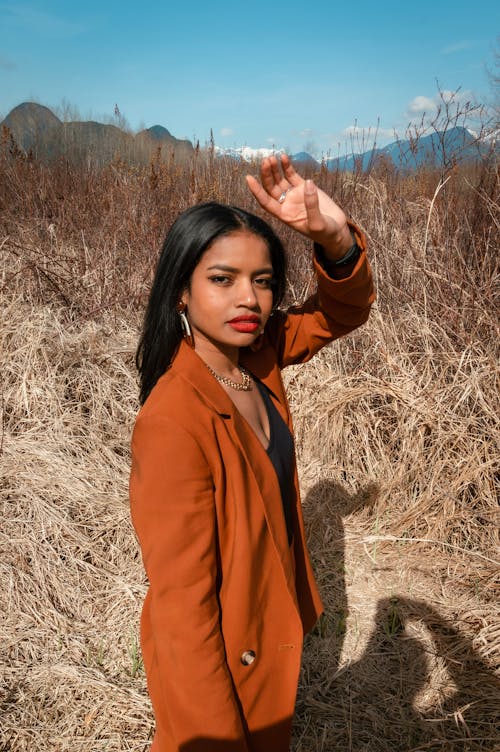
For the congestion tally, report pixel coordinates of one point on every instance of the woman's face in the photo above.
(230, 299)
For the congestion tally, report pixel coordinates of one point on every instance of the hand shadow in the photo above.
(420, 684)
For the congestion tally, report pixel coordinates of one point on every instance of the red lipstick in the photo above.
(247, 324)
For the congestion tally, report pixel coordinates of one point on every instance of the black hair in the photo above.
(189, 237)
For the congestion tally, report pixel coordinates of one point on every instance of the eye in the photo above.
(264, 282)
(220, 279)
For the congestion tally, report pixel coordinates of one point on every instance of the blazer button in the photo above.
(247, 657)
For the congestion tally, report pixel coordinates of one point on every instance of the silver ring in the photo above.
(283, 196)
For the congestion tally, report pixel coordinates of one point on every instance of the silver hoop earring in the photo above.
(186, 329)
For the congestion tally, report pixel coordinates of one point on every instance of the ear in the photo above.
(184, 297)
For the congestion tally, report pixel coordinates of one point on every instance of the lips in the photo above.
(245, 324)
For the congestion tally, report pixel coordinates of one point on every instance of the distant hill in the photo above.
(302, 157)
(157, 135)
(36, 129)
(157, 132)
(29, 123)
(438, 149)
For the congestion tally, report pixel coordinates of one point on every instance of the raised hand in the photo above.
(301, 205)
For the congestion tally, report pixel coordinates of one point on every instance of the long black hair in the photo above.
(189, 237)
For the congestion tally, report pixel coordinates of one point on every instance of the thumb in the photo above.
(315, 219)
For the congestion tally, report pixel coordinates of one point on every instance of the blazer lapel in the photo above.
(263, 365)
(260, 466)
(191, 366)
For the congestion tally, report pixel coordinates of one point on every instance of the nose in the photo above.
(246, 294)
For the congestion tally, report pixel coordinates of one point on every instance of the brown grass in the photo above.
(398, 436)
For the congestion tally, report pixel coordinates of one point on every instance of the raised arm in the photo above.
(345, 286)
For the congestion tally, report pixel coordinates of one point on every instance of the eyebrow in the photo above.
(224, 268)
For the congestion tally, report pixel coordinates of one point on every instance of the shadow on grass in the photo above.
(419, 685)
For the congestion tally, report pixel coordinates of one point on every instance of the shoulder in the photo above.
(172, 435)
(186, 397)
(173, 402)
(165, 395)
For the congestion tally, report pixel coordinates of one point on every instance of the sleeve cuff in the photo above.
(329, 269)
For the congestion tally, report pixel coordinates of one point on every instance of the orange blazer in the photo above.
(229, 601)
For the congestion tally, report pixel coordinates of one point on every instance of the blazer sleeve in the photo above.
(336, 308)
(173, 512)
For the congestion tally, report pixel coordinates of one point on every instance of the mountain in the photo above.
(248, 154)
(158, 132)
(36, 129)
(438, 149)
(157, 136)
(302, 157)
(29, 123)
(245, 153)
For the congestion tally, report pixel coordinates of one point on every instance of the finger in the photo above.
(289, 171)
(315, 219)
(277, 175)
(262, 196)
(268, 178)
(272, 179)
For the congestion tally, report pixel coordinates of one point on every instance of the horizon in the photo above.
(198, 70)
(69, 115)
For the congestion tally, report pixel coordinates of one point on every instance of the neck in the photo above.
(223, 360)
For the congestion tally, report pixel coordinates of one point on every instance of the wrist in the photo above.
(338, 268)
(340, 244)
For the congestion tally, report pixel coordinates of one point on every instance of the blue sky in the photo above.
(292, 74)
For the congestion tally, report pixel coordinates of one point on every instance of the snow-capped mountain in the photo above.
(439, 148)
(245, 153)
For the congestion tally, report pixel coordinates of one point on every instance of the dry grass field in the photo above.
(398, 437)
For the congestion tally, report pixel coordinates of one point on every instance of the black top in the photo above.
(282, 455)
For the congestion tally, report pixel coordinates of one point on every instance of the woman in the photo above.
(214, 490)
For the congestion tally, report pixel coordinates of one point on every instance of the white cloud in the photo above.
(422, 104)
(457, 47)
(226, 131)
(425, 114)
(358, 130)
(306, 132)
(371, 132)
(445, 101)
(387, 133)
(355, 138)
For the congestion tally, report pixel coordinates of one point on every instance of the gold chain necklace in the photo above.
(244, 386)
